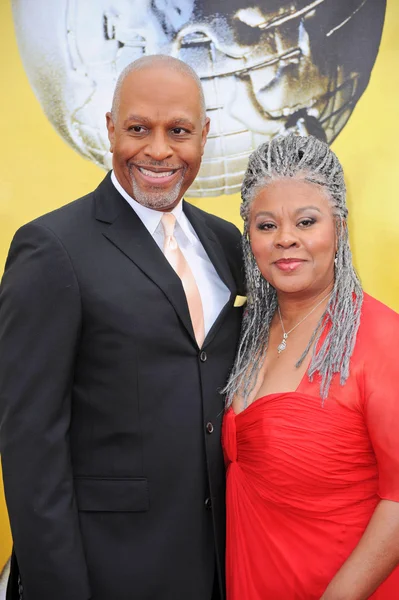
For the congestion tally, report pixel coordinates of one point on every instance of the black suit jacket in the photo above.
(110, 413)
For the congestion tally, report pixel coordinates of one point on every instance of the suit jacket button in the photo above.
(209, 427)
(208, 503)
(203, 356)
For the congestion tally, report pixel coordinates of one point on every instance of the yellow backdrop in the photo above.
(39, 172)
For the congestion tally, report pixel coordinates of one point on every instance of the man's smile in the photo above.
(159, 176)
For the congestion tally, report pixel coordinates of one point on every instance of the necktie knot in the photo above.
(168, 223)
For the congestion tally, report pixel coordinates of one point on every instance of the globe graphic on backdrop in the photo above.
(268, 67)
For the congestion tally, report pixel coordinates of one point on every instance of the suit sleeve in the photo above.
(40, 320)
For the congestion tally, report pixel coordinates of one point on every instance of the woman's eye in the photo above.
(306, 222)
(265, 226)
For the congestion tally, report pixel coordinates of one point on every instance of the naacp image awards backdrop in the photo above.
(271, 67)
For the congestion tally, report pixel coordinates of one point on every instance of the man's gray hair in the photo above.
(157, 60)
(311, 160)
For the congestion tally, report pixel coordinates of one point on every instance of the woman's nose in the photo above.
(286, 238)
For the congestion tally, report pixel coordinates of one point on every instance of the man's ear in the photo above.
(111, 130)
(205, 131)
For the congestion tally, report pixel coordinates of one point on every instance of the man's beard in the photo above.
(157, 199)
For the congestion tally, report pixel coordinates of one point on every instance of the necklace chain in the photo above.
(283, 344)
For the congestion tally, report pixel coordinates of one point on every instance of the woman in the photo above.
(311, 432)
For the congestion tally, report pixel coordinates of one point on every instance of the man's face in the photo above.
(158, 136)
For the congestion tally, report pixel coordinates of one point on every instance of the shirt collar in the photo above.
(151, 218)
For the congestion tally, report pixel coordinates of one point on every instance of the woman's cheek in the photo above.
(259, 254)
(263, 264)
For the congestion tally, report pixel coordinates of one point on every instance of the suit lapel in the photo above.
(212, 246)
(218, 258)
(124, 229)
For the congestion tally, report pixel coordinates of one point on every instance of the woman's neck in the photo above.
(294, 307)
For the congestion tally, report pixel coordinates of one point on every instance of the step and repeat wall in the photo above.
(322, 67)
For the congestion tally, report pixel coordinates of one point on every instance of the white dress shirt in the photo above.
(214, 293)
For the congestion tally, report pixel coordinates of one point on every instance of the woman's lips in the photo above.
(288, 264)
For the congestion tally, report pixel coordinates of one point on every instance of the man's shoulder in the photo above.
(74, 216)
(68, 224)
(66, 214)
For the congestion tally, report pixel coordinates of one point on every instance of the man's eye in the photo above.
(136, 129)
(178, 130)
(306, 222)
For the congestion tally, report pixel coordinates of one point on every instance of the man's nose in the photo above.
(158, 147)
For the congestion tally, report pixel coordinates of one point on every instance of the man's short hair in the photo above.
(168, 62)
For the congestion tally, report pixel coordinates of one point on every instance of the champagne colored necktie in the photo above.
(176, 258)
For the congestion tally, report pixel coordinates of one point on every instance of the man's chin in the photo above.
(158, 198)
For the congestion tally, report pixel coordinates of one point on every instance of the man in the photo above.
(117, 332)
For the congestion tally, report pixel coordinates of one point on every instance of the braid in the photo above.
(309, 159)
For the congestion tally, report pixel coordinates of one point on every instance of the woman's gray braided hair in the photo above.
(308, 159)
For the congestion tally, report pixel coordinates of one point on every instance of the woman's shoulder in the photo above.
(375, 356)
(374, 309)
(379, 324)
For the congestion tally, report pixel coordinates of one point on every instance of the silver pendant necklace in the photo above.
(283, 344)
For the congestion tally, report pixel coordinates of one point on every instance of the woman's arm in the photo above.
(373, 559)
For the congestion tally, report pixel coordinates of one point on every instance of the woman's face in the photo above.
(293, 237)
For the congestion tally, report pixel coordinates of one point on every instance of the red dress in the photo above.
(304, 479)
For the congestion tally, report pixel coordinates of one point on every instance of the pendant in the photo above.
(282, 346)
